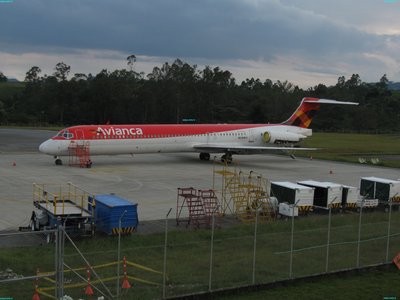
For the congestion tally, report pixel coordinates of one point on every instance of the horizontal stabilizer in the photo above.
(329, 101)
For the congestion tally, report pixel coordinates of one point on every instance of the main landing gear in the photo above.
(227, 158)
(204, 156)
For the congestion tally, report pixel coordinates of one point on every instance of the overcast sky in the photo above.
(304, 41)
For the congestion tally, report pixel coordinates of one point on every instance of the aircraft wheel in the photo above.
(58, 162)
(204, 156)
(32, 222)
(227, 158)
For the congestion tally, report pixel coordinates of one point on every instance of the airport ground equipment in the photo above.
(383, 189)
(79, 154)
(65, 205)
(326, 194)
(242, 194)
(287, 210)
(290, 193)
(195, 207)
(350, 196)
(109, 209)
(367, 203)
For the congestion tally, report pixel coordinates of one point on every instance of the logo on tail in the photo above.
(304, 114)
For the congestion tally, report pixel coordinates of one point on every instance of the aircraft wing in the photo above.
(219, 148)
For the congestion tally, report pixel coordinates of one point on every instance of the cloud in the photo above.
(302, 39)
(226, 29)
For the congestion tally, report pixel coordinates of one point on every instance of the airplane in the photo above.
(228, 139)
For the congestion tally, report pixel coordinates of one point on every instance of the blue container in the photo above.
(109, 209)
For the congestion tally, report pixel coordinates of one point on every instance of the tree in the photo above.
(62, 71)
(131, 60)
(354, 81)
(33, 74)
(3, 78)
(79, 76)
(341, 81)
(383, 82)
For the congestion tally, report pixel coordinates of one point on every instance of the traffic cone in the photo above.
(88, 290)
(125, 283)
(36, 294)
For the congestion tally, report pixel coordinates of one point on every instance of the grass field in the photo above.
(375, 284)
(188, 255)
(350, 147)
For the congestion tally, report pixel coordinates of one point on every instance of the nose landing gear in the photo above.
(58, 161)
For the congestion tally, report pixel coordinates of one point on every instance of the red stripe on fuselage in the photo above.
(89, 132)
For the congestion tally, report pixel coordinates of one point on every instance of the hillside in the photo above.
(8, 89)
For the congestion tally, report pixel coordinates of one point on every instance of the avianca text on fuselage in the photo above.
(124, 131)
(227, 139)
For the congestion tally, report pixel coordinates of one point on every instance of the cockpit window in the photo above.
(65, 134)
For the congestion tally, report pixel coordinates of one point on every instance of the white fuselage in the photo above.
(169, 142)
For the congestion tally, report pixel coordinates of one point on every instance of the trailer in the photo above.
(65, 205)
(292, 193)
(350, 197)
(80, 212)
(113, 214)
(326, 194)
(385, 190)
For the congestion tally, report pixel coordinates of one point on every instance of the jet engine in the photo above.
(282, 137)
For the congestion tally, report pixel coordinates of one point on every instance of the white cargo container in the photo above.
(325, 193)
(292, 193)
(350, 196)
(380, 188)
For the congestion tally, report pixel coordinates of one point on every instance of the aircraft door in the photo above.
(252, 135)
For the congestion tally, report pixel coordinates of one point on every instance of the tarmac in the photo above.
(151, 180)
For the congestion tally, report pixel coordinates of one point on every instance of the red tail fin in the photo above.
(304, 114)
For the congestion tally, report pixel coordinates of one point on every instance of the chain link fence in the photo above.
(163, 260)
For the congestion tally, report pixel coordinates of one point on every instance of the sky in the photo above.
(306, 42)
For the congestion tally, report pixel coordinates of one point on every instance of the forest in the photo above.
(182, 93)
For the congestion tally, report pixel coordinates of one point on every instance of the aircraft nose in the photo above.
(44, 147)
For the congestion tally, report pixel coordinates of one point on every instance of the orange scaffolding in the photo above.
(79, 155)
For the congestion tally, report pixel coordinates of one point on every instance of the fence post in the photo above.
(255, 245)
(59, 261)
(359, 233)
(388, 234)
(165, 253)
(212, 247)
(328, 242)
(119, 249)
(291, 241)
